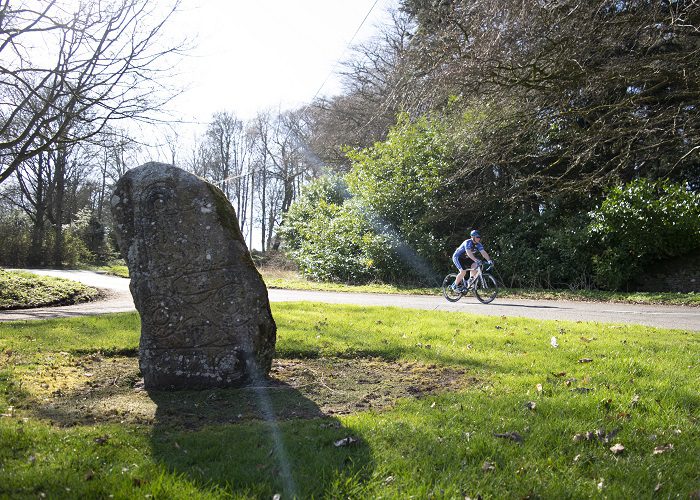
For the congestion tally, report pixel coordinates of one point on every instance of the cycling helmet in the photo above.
(475, 234)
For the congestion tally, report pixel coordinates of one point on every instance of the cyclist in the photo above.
(466, 249)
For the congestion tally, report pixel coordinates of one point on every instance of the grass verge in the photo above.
(20, 290)
(114, 270)
(520, 418)
(292, 281)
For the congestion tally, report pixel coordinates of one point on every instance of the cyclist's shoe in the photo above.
(453, 286)
(470, 284)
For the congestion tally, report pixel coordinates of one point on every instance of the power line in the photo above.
(347, 46)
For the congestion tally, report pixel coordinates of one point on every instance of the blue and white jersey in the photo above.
(467, 244)
(462, 250)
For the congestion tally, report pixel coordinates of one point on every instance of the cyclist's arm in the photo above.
(472, 255)
(483, 252)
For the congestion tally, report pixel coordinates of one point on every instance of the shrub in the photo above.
(333, 240)
(640, 224)
(542, 250)
(15, 243)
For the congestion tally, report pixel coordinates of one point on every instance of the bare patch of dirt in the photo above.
(91, 389)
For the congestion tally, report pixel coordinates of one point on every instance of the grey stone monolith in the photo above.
(205, 314)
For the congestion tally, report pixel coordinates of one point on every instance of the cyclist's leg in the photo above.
(462, 271)
(473, 269)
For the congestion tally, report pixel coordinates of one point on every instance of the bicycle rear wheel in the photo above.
(447, 290)
(485, 288)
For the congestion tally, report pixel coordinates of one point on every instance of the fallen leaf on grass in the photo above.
(513, 436)
(488, 467)
(635, 400)
(617, 448)
(582, 390)
(101, 440)
(330, 425)
(663, 449)
(585, 360)
(599, 435)
(530, 405)
(539, 387)
(346, 441)
(560, 374)
(607, 437)
(554, 342)
(584, 339)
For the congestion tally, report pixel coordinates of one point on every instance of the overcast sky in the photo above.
(253, 55)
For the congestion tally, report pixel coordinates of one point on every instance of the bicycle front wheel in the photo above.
(486, 288)
(447, 290)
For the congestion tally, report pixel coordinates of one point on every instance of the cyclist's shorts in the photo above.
(462, 262)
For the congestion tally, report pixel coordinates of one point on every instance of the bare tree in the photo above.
(68, 69)
(578, 94)
(375, 88)
(116, 149)
(51, 188)
(261, 132)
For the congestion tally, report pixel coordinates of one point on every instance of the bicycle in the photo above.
(484, 286)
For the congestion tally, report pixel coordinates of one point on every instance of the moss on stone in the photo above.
(228, 218)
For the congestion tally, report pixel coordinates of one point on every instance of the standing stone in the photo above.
(205, 315)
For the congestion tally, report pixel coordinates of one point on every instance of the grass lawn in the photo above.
(362, 403)
(21, 290)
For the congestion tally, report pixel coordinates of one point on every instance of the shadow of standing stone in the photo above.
(205, 314)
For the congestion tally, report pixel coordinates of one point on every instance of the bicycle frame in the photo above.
(479, 273)
(484, 285)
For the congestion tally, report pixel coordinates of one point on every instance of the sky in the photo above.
(250, 56)
(265, 54)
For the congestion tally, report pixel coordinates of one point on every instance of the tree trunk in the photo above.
(60, 177)
(252, 190)
(36, 251)
(263, 209)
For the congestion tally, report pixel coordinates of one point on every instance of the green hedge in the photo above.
(640, 224)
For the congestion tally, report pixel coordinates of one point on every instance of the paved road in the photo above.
(686, 318)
